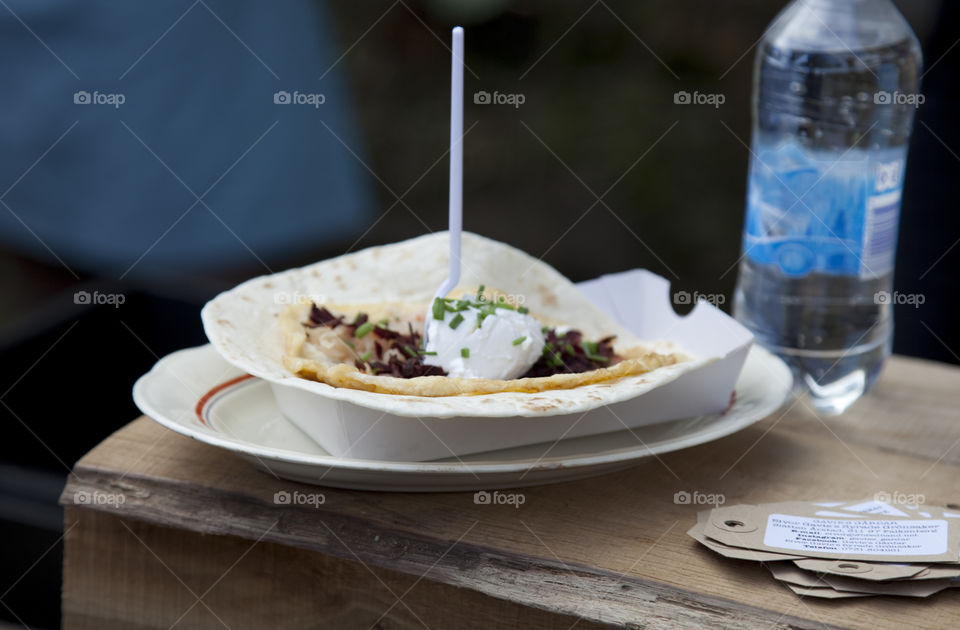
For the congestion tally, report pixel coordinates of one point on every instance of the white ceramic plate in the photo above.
(196, 393)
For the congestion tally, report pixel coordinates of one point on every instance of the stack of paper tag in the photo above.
(837, 550)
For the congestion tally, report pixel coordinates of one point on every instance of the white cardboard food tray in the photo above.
(638, 299)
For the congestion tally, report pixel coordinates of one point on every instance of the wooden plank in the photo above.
(618, 530)
(130, 575)
(550, 584)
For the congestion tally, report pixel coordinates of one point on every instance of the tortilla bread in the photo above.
(243, 323)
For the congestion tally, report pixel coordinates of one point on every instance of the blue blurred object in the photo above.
(125, 108)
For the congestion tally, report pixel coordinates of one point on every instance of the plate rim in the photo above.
(708, 433)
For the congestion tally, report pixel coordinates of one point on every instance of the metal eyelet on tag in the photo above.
(851, 567)
(735, 525)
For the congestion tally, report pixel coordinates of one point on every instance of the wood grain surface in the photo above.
(604, 552)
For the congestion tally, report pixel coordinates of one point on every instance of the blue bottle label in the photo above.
(809, 212)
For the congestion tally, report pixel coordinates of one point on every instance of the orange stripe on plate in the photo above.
(213, 392)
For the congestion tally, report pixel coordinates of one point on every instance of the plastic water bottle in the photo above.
(836, 88)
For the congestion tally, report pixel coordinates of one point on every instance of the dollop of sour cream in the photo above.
(503, 346)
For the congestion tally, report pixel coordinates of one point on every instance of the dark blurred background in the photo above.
(119, 220)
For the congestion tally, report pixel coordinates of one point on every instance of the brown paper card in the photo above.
(908, 588)
(938, 571)
(788, 572)
(696, 532)
(792, 574)
(822, 593)
(874, 571)
(879, 571)
(882, 539)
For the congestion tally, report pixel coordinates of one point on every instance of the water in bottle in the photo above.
(835, 91)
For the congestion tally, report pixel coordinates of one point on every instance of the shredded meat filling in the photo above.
(394, 353)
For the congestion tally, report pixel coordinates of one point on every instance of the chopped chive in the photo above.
(590, 347)
(569, 348)
(465, 353)
(480, 292)
(364, 330)
(487, 310)
(456, 321)
(364, 357)
(383, 323)
(439, 307)
(523, 310)
(519, 340)
(410, 351)
(429, 354)
(599, 358)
